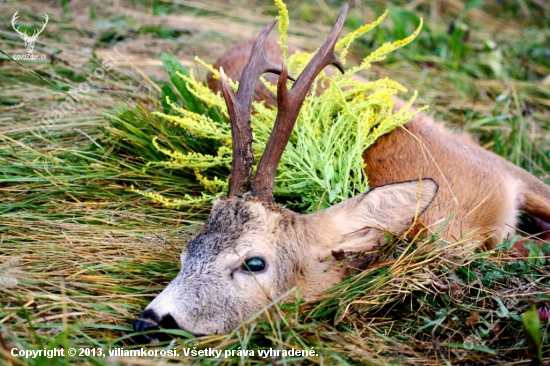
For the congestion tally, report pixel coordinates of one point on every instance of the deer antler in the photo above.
(239, 113)
(34, 33)
(24, 34)
(289, 104)
(13, 21)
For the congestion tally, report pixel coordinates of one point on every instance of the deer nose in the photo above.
(149, 320)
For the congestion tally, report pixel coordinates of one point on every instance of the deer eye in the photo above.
(254, 265)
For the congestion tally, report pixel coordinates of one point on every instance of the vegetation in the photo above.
(327, 144)
(81, 253)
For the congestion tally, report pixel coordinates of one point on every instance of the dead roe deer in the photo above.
(251, 250)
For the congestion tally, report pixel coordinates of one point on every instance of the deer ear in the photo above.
(360, 222)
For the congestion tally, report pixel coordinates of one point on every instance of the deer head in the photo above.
(250, 250)
(29, 41)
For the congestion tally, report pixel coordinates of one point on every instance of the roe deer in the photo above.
(251, 250)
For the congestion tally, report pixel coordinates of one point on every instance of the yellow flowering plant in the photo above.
(322, 163)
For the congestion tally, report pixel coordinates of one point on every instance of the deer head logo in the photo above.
(29, 41)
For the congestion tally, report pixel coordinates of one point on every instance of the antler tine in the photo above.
(239, 112)
(14, 21)
(14, 18)
(289, 104)
(35, 33)
(44, 24)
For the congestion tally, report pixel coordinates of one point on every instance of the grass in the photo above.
(81, 254)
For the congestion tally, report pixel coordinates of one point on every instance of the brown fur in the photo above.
(480, 189)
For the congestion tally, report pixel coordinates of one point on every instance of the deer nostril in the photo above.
(149, 320)
(168, 322)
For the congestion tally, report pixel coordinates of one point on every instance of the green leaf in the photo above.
(167, 91)
(435, 322)
(536, 256)
(215, 115)
(531, 324)
(329, 174)
(503, 311)
(335, 191)
(491, 276)
(173, 66)
(92, 13)
(299, 185)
